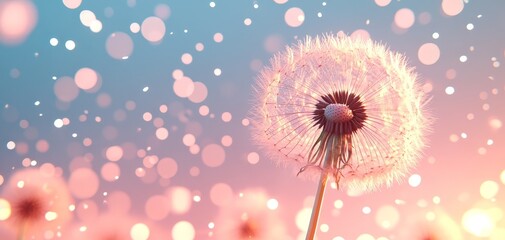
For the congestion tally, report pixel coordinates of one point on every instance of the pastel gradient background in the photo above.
(145, 130)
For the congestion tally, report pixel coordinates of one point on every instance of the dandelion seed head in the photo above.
(351, 99)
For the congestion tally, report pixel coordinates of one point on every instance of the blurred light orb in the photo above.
(183, 230)
(17, 20)
(387, 217)
(452, 7)
(72, 4)
(294, 17)
(404, 18)
(478, 222)
(428, 53)
(153, 29)
(489, 189)
(139, 231)
(86, 78)
(119, 45)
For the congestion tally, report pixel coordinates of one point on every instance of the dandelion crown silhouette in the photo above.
(343, 107)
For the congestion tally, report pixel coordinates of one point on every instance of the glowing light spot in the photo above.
(110, 171)
(226, 140)
(294, 17)
(72, 4)
(87, 17)
(449, 90)
(365, 236)
(387, 217)
(17, 20)
(502, 177)
(463, 58)
(183, 230)
(11, 145)
(5, 209)
(253, 158)
(83, 183)
(221, 194)
(70, 45)
(414, 180)
(469, 27)
(495, 123)
(226, 117)
(366, 210)
(428, 53)
(382, 3)
(217, 72)
(162, 11)
(86, 78)
(180, 200)
(199, 47)
(167, 167)
(188, 139)
(153, 29)
(247, 21)
(51, 216)
(186, 58)
(114, 153)
(119, 45)
(489, 189)
(212, 4)
(272, 204)
(302, 219)
(452, 7)
(478, 222)
(134, 27)
(324, 227)
(213, 155)
(360, 33)
(218, 37)
(53, 42)
(183, 87)
(139, 231)
(338, 204)
(404, 18)
(199, 93)
(280, 1)
(157, 207)
(204, 110)
(162, 133)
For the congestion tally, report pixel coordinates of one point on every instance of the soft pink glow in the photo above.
(428, 53)
(404, 18)
(65, 89)
(114, 153)
(221, 194)
(17, 20)
(167, 167)
(86, 78)
(118, 202)
(294, 17)
(183, 87)
(110, 171)
(213, 155)
(162, 11)
(83, 183)
(119, 45)
(218, 37)
(72, 4)
(199, 93)
(157, 207)
(153, 29)
(452, 7)
(382, 3)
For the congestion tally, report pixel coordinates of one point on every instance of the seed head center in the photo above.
(338, 113)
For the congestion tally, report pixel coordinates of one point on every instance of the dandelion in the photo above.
(37, 203)
(344, 109)
(249, 218)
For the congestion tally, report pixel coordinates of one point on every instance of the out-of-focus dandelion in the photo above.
(37, 203)
(248, 217)
(343, 109)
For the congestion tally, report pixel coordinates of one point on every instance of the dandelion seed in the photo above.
(344, 109)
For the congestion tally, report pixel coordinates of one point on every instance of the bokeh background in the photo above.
(142, 106)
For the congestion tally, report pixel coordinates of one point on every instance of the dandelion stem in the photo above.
(316, 209)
